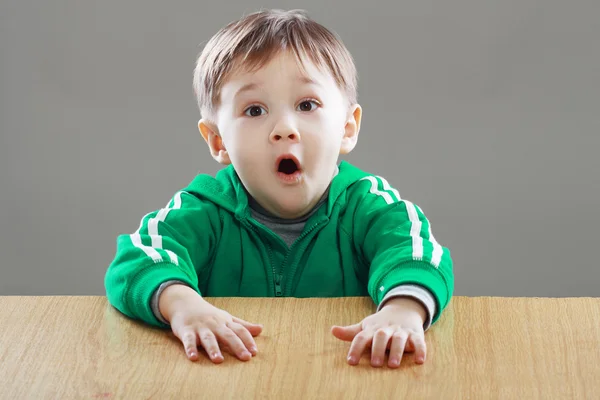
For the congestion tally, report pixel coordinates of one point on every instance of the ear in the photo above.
(210, 133)
(351, 129)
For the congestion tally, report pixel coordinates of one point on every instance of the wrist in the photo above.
(407, 304)
(174, 296)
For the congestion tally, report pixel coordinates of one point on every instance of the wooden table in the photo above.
(509, 348)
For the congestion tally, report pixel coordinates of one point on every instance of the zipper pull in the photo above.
(278, 290)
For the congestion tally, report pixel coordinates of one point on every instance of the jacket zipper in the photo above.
(295, 265)
(277, 278)
(278, 275)
(278, 290)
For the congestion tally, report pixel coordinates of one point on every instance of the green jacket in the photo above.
(364, 240)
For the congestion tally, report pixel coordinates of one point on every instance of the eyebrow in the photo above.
(252, 86)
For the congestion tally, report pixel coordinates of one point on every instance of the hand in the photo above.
(196, 322)
(398, 326)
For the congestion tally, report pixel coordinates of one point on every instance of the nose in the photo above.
(284, 129)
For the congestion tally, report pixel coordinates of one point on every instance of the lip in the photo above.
(289, 179)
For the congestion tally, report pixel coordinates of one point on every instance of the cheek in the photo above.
(331, 134)
(325, 126)
(246, 154)
(231, 139)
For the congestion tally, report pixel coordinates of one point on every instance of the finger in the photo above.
(245, 336)
(380, 341)
(228, 337)
(346, 333)
(211, 346)
(254, 329)
(410, 348)
(399, 339)
(357, 348)
(189, 340)
(418, 342)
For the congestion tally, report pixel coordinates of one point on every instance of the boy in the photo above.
(277, 94)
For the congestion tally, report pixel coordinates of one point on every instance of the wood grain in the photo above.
(484, 347)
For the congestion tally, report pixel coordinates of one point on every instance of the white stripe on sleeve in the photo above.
(157, 242)
(386, 196)
(386, 186)
(415, 222)
(436, 256)
(136, 239)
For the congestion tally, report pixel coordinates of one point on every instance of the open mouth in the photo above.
(288, 165)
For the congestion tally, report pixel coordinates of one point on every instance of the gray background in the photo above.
(484, 113)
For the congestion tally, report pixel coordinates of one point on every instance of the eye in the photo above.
(306, 105)
(254, 111)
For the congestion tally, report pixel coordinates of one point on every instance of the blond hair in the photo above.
(253, 40)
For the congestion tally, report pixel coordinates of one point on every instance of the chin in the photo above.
(292, 209)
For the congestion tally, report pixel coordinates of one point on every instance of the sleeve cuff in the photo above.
(418, 293)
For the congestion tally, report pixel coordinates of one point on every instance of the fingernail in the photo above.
(253, 349)
(246, 353)
(377, 361)
(192, 354)
(394, 361)
(351, 360)
(214, 355)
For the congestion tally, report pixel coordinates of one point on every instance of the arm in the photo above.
(173, 243)
(395, 239)
(409, 278)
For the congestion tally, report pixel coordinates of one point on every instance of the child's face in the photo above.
(276, 113)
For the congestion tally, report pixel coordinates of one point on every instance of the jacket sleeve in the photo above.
(174, 243)
(393, 237)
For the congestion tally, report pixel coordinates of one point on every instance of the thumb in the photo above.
(254, 329)
(346, 333)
